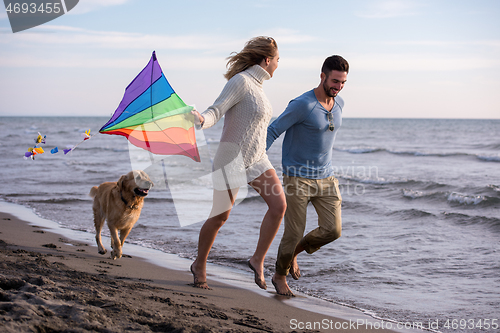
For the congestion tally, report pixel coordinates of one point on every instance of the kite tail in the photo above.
(93, 192)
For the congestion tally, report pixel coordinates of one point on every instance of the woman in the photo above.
(241, 156)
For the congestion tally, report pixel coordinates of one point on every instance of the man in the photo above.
(311, 122)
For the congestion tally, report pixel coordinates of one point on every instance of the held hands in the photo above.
(198, 118)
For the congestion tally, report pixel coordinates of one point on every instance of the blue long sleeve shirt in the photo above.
(308, 144)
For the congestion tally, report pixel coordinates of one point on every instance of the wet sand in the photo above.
(49, 283)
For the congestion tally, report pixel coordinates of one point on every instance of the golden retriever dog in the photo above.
(120, 203)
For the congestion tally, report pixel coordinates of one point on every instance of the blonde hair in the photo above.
(255, 50)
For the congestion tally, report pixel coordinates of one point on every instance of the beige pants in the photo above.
(325, 196)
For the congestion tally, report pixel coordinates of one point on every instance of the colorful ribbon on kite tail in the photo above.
(33, 151)
(153, 117)
(86, 136)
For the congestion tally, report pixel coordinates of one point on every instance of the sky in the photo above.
(408, 58)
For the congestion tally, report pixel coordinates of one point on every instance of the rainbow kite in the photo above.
(151, 116)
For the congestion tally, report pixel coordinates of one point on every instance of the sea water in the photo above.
(420, 212)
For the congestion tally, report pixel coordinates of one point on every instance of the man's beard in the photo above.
(328, 91)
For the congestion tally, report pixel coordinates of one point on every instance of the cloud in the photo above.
(415, 62)
(83, 61)
(286, 36)
(51, 35)
(86, 6)
(199, 50)
(399, 62)
(390, 9)
(83, 48)
(444, 43)
(28, 60)
(3, 14)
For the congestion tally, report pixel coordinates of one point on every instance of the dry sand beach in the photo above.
(49, 283)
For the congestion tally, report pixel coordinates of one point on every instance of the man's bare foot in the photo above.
(259, 278)
(294, 269)
(197, 283)
(279, 283)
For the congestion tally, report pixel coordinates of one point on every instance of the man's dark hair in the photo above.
(335, 63)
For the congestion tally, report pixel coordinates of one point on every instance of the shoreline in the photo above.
(239, 304)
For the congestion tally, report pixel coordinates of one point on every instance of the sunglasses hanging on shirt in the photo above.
(331, 125)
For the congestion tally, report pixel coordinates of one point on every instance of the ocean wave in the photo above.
(489, 158)
(466, 199)
(118, 150)
(426, 154)
(452, 197)
(15, 195)
(358, 207)
(69, 163)
(410, 188)
(492, 146)
(370, 150)
(495, 188)
(377, 180)
(158, 200)
(44, 197)
(60, 200)
(10, 136)
(408, 214)
(464, 219)
(360, 150)
(417, 194)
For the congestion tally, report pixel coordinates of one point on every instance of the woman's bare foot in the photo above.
(197, 280)
(279, 283)
(258, 276)
(294, 269)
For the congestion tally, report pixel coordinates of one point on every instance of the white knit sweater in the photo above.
(247, 111)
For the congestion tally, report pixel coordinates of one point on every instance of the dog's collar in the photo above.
(125, 202)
